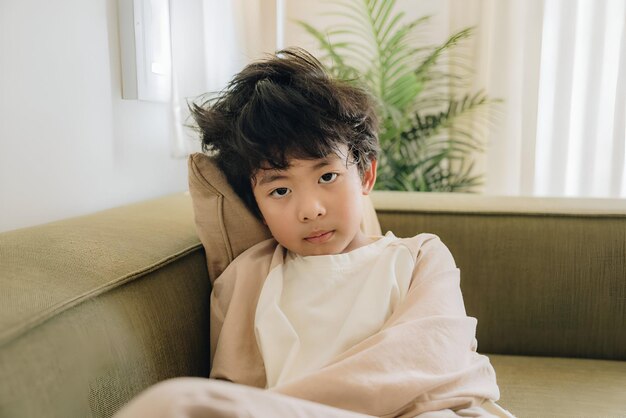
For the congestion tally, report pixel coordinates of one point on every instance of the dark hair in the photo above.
(286, 106)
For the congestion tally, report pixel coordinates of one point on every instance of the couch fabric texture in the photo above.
(95, 309)
(539, 285)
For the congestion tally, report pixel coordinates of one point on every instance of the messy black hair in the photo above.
(282, 107)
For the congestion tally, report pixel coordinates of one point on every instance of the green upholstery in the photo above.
(561, 387)
(96, 308)
(539, 285)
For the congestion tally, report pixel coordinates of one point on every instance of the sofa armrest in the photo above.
(96, 308)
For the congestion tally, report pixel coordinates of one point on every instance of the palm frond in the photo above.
(428, 135)
(452, 41)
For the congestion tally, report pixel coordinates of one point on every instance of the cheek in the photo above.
(266, 212)
(351, 206)
(273, 216)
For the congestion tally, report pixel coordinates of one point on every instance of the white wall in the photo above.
(69, 145)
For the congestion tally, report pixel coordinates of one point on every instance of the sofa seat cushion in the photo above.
(561, 387)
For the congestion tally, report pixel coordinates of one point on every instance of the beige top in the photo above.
(312, 309)
(422, 359)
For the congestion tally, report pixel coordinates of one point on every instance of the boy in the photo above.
(328, 321)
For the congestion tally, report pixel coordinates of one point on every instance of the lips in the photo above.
(320, 237)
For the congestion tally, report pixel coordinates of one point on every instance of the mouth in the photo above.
(320, 237)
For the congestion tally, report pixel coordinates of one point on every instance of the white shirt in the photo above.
(311, 309)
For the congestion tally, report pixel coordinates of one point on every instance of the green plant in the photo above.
(428, 133)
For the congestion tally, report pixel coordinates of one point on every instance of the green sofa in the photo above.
(94, 309)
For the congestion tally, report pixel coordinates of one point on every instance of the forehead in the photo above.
(340, 154)
(267, 174)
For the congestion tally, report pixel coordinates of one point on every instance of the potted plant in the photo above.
(429, 132)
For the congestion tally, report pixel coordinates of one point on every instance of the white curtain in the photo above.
(560, 67)
(211, 41)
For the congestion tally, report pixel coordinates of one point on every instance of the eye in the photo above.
(280, 192)
(328, 178)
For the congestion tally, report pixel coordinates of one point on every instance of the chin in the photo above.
(325, 253)
(308, 252)
(324, 250)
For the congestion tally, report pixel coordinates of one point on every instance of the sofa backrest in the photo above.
(543, 276)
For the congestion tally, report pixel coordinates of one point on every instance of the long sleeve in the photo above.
(423, 359)
(234, 352)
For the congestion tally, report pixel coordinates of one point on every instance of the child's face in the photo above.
(314, 207)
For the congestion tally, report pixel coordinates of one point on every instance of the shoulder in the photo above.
(250, 266)
(258, 253)
(254, 257)
(428, 251)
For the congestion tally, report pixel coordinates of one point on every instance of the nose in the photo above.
(309, 208)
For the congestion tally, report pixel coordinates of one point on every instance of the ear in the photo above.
(369, 178)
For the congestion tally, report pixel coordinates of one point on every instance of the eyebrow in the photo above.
(269, 178)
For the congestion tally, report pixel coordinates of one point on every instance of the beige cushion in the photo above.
(225, 225)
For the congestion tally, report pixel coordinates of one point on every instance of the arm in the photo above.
(234, 353)
(423, 359)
